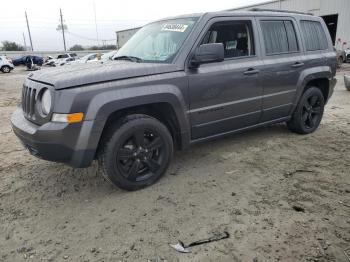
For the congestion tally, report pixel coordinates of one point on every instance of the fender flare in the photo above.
(308, 75)
(106, 103)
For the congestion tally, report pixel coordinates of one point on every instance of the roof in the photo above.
(254, 5)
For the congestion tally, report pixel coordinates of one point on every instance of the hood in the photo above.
(89, 73)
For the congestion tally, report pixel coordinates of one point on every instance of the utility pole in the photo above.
(62, 28)
(30, 36)
(96, 25)
(24, 40)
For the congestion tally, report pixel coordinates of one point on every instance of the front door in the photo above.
(227, 96)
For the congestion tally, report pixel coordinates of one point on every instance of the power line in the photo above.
(87, 38)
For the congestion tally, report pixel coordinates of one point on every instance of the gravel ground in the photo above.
(245, 184)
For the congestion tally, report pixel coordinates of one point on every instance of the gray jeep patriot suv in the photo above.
(176, 82)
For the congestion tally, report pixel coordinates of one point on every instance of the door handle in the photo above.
(297, 64)
(251, 71)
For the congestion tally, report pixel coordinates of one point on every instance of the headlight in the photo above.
(46, 102)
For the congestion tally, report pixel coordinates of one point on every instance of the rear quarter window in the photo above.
(314, 35)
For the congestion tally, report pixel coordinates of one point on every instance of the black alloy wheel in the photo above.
(308, 113)
(312, 111)
(135, 152)
(140, 155)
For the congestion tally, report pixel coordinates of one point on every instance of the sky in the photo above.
(79, 16)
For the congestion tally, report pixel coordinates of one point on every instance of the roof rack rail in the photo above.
(279, 11)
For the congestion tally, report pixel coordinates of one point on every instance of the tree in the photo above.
(105, 47)
(76, 48)
(11, 46)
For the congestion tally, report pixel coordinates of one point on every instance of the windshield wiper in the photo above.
(129, 58)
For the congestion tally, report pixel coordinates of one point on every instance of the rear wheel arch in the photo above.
(318, 77)
(320, 83)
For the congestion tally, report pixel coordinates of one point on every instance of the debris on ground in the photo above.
(346, 253)
(299, 209)
(289, 174)
(183, 248)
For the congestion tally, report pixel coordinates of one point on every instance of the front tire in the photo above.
(308, 114)
(6, 69)
(135, 152)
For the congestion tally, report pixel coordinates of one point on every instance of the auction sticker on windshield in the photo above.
(174, 27)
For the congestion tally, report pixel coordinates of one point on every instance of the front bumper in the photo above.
(58, 142)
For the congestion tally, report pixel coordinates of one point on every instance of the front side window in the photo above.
(236, 36)
(314, 35)
(158, 41)
(279, 37)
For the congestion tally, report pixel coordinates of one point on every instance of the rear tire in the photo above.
(308, 113)
(135, 152)
(6, 69)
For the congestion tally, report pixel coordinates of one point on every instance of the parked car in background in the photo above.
(347, 54)
(37, 60)
(62, 59)
(94, 57)
(341, 56)
(6, 65)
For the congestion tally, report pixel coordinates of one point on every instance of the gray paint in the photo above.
(209, 101)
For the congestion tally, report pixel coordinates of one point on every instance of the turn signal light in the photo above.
(67, 118)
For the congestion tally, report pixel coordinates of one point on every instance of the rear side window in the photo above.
(279, 37)
(314, 35)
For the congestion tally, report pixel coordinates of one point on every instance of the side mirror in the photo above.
(208, 53)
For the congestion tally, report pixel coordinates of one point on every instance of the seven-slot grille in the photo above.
(28, 101)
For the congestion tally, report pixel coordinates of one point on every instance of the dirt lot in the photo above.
(245, 184)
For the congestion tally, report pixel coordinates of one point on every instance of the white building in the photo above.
(336, 14)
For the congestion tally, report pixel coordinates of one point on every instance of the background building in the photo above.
(336, 14)
(123, 36)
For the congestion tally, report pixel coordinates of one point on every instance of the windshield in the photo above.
(159, 41)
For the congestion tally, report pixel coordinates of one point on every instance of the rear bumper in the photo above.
(58, 142)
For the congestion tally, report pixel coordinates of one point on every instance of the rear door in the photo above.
(283, 64)
(226, 96)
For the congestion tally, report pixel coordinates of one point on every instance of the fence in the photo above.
(16, 54)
